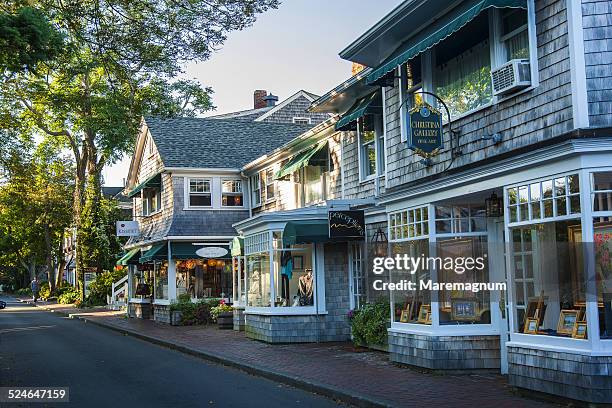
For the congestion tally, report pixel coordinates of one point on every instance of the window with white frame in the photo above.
(409, 224)
(255, 191)
(200, 192)
(151, 201)
(554, 197)
(514, 33)
(231, 193)
(460, 219)
(358, 280)
(369, 132)
(301, 121)
(269, 184)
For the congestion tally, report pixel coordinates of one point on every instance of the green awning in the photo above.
(438, 31)
(129, 257)
(305, 232)
(153, 181)
(237, 246)
(186, 250)
(158, 252)
(298, 161)
(368, 104)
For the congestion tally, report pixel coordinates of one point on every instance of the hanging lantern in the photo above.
(190, 264)
(379, 239)
(494, 206)
(212, 262)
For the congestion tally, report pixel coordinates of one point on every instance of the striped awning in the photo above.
(369, 104)
(438, 31)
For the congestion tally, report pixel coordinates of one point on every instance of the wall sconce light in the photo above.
(495, 137)
(379, 239)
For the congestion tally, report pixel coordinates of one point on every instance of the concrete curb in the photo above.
(326, 390)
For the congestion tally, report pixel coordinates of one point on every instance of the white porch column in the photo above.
(171, 275)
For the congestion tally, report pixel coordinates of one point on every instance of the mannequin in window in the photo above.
(305, 288)
(286, 275)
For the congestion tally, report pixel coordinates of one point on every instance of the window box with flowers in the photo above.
(223, 314)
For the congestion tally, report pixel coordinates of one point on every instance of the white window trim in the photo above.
(259, 202)
(242, 193)
(144, 200)
(188, 205)
(275, 187)
(360, 159)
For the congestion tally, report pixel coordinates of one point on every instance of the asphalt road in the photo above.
(103, 368)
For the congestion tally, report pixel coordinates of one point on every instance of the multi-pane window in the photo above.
(231, 193)
(199, 193)
(358, 281)
(301, 121)
(270, 185)
(151, 201)
(367, 145)
(255, 191)
(602, 191)
(544, 199)
(460, 219)
(514, 35)
(409, 224)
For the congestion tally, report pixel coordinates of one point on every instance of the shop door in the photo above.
(498, 273)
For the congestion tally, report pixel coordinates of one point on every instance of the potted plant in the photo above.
(223, 314)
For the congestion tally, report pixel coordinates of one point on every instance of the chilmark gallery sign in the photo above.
(425, 130)
(346, 224)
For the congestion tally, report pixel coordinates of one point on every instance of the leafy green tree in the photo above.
(35, 203)
(121, 60)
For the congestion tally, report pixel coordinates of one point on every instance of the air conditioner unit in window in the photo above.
(513, 76)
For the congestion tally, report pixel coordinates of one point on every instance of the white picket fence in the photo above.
(119, 294)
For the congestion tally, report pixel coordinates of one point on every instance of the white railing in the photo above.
(119, 294)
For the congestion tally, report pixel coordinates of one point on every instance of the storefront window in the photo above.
(544, 199)
(294, 277)
(602, 226)
(460, 219)
(238, 273)
(160, 271)
(357, 274)
(411, 306)
(201, 278)
(470, 265)
(142, 281)
(548, 279)
(409, 224)
(258, 276)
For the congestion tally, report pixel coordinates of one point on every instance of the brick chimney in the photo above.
(259, 100)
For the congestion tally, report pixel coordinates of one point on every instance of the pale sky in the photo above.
(294, 47)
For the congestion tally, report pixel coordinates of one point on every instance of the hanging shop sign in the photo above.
(127, 229)
(211, 252)
(346, 224)
(425, 130)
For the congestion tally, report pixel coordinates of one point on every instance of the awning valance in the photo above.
(368, 104)
(299, 160)
(158, 252)
(129, 258)
(305, 232)
(438, 31)
(237, 246)
(153, 181)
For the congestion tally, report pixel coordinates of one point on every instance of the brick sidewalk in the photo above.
(366, 375)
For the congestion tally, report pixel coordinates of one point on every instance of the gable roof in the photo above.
(217, 143)
(310, 96)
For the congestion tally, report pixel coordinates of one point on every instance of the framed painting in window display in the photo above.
(531, 326)
(567, 320)
(424, 312)
(580, 330)
(464, 309)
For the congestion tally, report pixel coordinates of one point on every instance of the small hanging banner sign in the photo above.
(425, 130)
(346, 224)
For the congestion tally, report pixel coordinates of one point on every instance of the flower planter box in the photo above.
(225, 320)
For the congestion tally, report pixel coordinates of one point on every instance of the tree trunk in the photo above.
(49, 259)
(61, 265)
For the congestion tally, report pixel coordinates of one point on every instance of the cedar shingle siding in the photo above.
(296, 109)
(597, 26)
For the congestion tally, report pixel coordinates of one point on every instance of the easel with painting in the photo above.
(534, 315)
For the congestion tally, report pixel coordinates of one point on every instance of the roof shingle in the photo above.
(217, 143)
